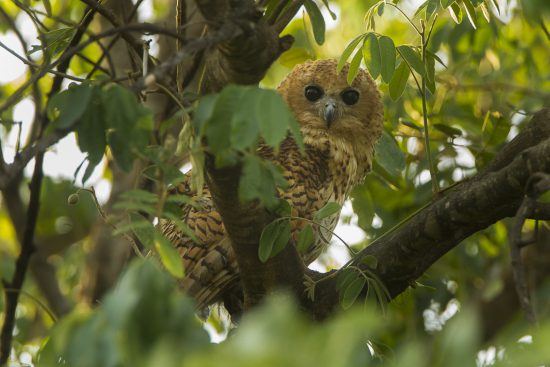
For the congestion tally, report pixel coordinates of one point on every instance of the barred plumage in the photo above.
(339, 139)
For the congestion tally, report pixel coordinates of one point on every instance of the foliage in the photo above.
(459, 79)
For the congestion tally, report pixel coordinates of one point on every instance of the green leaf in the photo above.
(245, 122)
(259, 180)
(354, 66)
(129, 124)
(446, 3)
(275, 116)
(143, 229)
(485, 12)
(55, 41)
(448, 130)
(389, 156)
(399, 81)
(470, 12)
(456, 13)
(345, 278)
(305, 238)
(138, 195)
(348, 51)
(47, 7)
(274, 238)
(90, 133)
(420, 8)
(370, 261)
(332, 14)
(329, 209)
(437, 58)
(353, 290)
(380, 9)
(431, 8)
(317, 21)
(216, 127)
(65, 108)
(495, 4)
(203, 112)
(169, 256)
(294, 56)
(412, 57)
(387, 57)
(371, 54)
(430, 73)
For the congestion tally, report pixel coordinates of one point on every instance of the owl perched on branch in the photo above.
(340, 124)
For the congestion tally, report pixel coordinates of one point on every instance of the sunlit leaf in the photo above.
(470, 12)
(399, 81)
(389, 156)
(387, 55)
(348, 51)
(47, 7)
(332, 14)
(371, 54)
(354, 66)
(413, 58)
(294, 56)
(169, 256)
(456, 13)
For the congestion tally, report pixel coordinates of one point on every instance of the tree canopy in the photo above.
(441, 257)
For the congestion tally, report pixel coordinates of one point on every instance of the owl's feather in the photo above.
(337, 157)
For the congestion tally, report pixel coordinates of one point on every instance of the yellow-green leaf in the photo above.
(305, 238)
(387, 55)
(329, 209)
(347, 51)
(399, 81)
(169, 256)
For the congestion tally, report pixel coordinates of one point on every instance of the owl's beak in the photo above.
(329, 112)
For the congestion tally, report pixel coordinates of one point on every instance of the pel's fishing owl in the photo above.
(340, 124)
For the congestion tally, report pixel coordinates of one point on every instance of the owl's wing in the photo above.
(210, 266)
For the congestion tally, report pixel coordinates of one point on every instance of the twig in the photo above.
(433, 173)
(27, 245)
(35, 66)
(537, 184)
(105, 218)
(105, 52)
(22, 263)
(287, 15)
(35, 300)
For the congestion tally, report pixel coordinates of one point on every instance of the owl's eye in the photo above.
(350, 97)
(313, 93)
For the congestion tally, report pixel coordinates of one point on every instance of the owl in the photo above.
(340, 124)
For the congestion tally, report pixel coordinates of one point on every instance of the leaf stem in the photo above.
(433, 174)
(406, 16)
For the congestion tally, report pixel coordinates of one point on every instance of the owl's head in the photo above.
(325, 105)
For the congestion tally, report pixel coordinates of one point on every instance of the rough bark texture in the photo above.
(407, 252)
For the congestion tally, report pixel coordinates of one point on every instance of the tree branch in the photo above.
(496, 193)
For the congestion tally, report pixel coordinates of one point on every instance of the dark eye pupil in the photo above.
(350, 97)
(313, 93)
